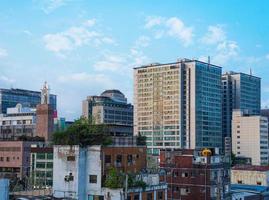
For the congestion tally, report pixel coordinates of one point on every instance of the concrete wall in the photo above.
(4, 189)
(250, 177)
(62, 168)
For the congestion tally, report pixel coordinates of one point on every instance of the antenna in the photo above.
(208, 59)
(250, 71)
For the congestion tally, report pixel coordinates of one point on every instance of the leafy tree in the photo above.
(83, 132)
(141, 140)
(114, 179)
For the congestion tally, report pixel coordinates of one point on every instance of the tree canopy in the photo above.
(83, 132)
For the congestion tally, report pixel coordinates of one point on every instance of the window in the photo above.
(40, 165)
(259, 183)
(130, 159)
(40, 156)
(149, 196)
(7, 159)
(1, 159)
(136, 197)
(160, 196)
(71, 158)
(185, 174)
(50, 165)
(93, 179)
(119, 159)
(239, 181)
(50, 156)
(107, 158)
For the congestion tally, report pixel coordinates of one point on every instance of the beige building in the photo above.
(250, 137)
(178, 105)
(250, 175)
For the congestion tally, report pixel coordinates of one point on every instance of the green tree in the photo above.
(83, 132)
(114, 179)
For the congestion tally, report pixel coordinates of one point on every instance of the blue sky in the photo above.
(84, 47)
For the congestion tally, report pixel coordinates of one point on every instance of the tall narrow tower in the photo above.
(44, 114)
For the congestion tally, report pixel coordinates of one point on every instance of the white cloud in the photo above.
(90, 22)
(152, 21)
(49, 6)
(86, 78)
(3, 53)
(57, 42)
(6, 79)
(214, 35)
(177, 29)
(142, 41)
(225, 51)
(173, 27)
(267, 56)
(74, 37)
(110, 62)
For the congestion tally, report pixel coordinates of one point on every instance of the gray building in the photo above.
(11, 97)
(18, 121)
(110, 108)
(178, 105)
(240, 91)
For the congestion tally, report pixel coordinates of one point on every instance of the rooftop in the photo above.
(185, 60)
(251, 168)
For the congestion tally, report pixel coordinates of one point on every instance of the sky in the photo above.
(83, 47)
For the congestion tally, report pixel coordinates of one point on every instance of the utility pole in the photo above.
(126, 186)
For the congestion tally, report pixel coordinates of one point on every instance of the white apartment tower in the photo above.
(178, 105)
(250, 137)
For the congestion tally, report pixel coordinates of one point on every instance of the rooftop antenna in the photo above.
(208, 60)
(250, 71)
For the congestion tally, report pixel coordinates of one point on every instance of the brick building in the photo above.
(45, 115)
(190, 175)
(15, 158)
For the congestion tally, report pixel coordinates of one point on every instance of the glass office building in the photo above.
(11, 97)
(178, 105)
(110, 107)
(240, 91)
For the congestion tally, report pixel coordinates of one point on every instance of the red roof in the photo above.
(251, 168)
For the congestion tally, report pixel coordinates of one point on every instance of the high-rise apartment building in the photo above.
(9, 98)
(178, 105)
(240, 91)
(250, 137)
(110, 107)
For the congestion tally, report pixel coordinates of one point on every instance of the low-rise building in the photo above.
(41, 170)
(250, 137)
(191, 174)
(82, 172)
(15, 158)
(250, 175)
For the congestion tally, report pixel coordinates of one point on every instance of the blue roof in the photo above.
(250, 188)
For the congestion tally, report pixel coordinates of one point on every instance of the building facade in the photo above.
(81, 173)
(45, 115)
(250, 175)
(178, 105)
(250, 137)
(15, 159)
(18, 121)
(9, 98)
(240, 91)
(192, 175)
(110, 107)
(41, 166)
